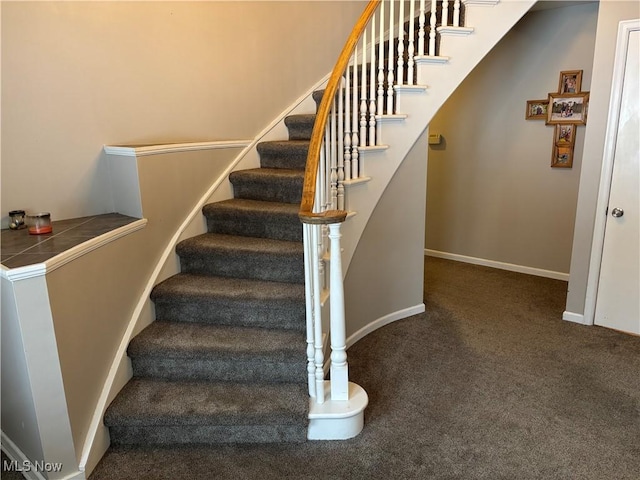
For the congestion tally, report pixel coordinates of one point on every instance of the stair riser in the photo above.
(256, 369)
(286, 192)
(234, 313)
(279, 156)
(255, 224)
(288, 269)
(207, 434)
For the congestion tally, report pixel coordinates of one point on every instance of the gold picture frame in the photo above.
(537, 109)
(565, 134)
(570, 81)
(568, 108)
(562, 156)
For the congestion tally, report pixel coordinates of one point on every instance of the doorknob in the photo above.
(617, 212)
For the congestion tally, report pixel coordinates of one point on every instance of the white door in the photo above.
(618, 298)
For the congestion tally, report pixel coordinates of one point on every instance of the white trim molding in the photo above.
(538, 272)
(606, 173)
(144, 150)
(382, 321)
(575, 318)
(31, 468)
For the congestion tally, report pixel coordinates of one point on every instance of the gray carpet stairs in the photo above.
(225, 359)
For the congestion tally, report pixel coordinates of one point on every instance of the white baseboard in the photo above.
(539, 272)
(381, 322)
(575, 318)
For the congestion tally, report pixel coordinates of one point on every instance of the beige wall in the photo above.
(386, 272)
(77, 75)
(94, 297)
(610, 14)
(491, 193)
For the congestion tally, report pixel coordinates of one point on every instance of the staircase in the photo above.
(225, 361)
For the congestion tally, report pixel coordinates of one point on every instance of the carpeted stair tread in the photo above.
(243, 257)
(195, 340)
(283, 153)
(146, 401)
(196, 351)
(230, 301)
(254, 218)
(300, 126)
(268, 184)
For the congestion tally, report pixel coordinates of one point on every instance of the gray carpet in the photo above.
(489, 383)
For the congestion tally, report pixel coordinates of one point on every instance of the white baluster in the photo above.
(355, 141)
(347, 126)
(432, 28)
(317, 327)
(400, 63)
(390, 65)
(411, 47)
(445, 13)
(322, 186)
(456, 13)
(372, 84)
(363, 92)
(340, 147)
(308, 290)
(421, 22)
(381, 62)
(334, 160)
(339, 366)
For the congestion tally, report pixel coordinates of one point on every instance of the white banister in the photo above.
(421, 23)
(309, 309)
(456, 13)
(340, 150)
(445, 13)
(411, 47)
(390, 78)
(347, 126)
(355, 141)
(372, 84)
(363, 92)
(380, 71)
(432, 29)
(400, 63)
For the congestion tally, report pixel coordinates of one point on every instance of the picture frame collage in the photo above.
(565, 109)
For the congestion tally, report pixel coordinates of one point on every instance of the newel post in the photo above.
(339, 366)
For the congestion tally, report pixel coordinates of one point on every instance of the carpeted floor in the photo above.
(489, 383)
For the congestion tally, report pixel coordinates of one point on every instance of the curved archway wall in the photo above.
(491, 193)
(79, 75)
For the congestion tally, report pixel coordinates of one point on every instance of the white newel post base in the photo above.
(337, 420)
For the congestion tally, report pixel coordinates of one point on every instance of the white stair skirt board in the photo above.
(539, 272)
(337, 420)
(32, 470)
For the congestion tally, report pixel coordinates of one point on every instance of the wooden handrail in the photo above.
(313, 157)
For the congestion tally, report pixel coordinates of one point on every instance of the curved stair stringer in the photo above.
(490, 22)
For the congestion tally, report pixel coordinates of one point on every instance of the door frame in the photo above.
(625, 28)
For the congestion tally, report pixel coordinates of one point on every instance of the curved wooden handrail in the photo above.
(313, 157)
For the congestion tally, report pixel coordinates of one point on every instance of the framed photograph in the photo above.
(570, 81)
(568, 108)
(562, 156)
(565, 134)
(536, 109)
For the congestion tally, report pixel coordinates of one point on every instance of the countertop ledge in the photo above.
(57, 261)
